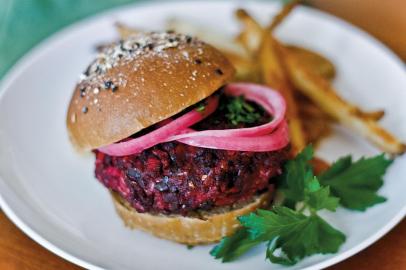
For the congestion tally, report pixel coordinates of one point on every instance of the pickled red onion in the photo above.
(264, 143)
(268, 137)
(160, 134)
(269, 99)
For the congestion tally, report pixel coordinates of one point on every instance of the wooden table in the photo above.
(17, 251)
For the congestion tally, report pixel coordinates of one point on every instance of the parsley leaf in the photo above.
(239, 111)
(295, 234)
(356, 183)
(299, 184)
(232, 247)
(297, 173)
(312, 237)
(322, 199)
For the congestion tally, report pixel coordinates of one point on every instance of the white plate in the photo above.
(50, 193)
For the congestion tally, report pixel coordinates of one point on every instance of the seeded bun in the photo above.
(140, 81)
(200, 228)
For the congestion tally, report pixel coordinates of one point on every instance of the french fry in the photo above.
(274, 75)
(251, 32)
(374, 115)
(246, 70)
(285, 11)
(314, 61)
(324, 95)
(316, 123)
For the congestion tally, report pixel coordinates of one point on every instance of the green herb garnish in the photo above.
(200, 107)
(239, 111)
(356, 183)
(294, 230)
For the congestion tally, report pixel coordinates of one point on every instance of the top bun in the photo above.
(140, 81)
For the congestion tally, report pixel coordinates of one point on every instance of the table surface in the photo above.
(17, 251)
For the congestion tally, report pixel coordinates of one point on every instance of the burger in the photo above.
(182, 151)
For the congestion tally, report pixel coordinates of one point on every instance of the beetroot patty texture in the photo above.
(177, 178)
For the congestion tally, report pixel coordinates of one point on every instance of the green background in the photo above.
(23, 23)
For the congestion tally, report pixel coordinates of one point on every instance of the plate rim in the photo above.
(42, 47)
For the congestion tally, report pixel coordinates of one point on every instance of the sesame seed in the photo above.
(108, 84)
(73, 118)
(85, 109)
(219, 71)
(185, 54)
(82, 92)
(96, 91)
(149, 46)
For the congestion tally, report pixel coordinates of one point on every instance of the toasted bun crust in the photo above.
(139, 82)
(204, 228)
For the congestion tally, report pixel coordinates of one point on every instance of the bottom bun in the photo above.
(203, 227)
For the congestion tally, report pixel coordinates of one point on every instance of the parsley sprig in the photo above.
(240, 111)
(295, 230)
(356, 183)
(200, 107)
